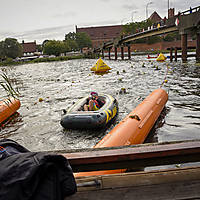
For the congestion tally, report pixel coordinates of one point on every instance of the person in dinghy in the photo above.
(94, 103)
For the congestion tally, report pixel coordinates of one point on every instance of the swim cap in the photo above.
(94, 93)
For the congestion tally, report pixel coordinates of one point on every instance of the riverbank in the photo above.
(10, 61)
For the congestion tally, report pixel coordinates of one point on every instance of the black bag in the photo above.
(26, 175)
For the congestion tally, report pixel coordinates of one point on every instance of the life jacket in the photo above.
(96, 105)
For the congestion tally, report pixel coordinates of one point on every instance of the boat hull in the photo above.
(76, 119)
(134, 128)
(8, 107)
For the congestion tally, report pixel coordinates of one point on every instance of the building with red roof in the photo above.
(29, 48)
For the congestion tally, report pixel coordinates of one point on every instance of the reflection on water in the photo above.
(60, 84)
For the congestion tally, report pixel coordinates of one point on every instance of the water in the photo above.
(60, 84)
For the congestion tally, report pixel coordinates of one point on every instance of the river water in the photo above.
(60, 84)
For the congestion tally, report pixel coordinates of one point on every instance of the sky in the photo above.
(38, 20)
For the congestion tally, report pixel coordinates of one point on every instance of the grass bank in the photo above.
(46, 59)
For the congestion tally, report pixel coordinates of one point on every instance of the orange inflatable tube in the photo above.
(8, 107)
(134, 128)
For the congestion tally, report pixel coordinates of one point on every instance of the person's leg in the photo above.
(91, 105)
(85, 107)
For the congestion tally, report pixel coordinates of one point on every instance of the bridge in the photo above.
(185, 23)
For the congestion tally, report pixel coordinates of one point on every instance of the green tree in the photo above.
(12, 48)
(83, 40)
(154, 39)
(135, 27)
(2, 51)
(53, 47)
(44, 42)
(77, 41)
(72, 45)
(129, 28)
(67, 47)
(70, 40)
(172, 36)
(39, 47)
(70, 36)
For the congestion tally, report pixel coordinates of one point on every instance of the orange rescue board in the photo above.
(8, 107)
(134, 128)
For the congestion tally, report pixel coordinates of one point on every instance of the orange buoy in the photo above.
(134, 128)
(8, 107)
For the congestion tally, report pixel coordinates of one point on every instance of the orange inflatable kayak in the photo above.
(134, 128)
(8, 107)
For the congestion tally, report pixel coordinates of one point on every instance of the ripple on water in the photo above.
(60, 84)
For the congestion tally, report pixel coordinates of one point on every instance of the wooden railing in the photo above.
(135, 156)
(177, 182)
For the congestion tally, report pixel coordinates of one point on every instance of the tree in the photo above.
(39, 47)
(53, 47)
(129, 28)
(172, 36)
(12, 48)
(70, 40)
(2, 52)
(153, 39)
(67, 47)
(70, 36)
(135, 27)
(83, 40)
(72, 45)
(44, 42)
(77, 41)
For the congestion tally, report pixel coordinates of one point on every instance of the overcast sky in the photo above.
(38, 20)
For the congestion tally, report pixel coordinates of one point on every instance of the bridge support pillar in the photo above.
(184, 47)
(109, 49)
(129, 52)
(175, 54)
(115, 53)
(122, 53)
(102, 53)
(171, 54)
(198, 48)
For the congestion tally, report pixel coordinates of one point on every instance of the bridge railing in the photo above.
(158, 25)
(191, 10)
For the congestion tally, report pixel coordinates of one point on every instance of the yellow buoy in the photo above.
(161, 57)
(100, 66)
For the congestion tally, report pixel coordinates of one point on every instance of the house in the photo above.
(155, 17)
(29, 48)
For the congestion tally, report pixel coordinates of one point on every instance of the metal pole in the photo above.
(168, 4)
(122, 52)
(102, 53)
(132, 15)
(147, 9)
(129, 52)
(175, 56)
(168, 9)
(109, 53)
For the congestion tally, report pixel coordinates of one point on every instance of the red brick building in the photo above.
(101, 34)
(170, 12)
